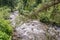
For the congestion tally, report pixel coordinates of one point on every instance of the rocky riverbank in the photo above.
(34, 30)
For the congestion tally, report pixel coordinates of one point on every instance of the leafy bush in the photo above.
(5, 27)
(4, 36)
(5, 30)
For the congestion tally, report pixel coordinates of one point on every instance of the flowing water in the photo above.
(13, 16)
(34, 30)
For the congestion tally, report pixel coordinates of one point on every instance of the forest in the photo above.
(16, 15)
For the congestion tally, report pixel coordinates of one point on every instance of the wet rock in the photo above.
(34, 30)
(54, 33)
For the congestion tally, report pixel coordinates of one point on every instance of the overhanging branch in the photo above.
(46, 5)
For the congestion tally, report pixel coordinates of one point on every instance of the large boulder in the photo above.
(35, 30)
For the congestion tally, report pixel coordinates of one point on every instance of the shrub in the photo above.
(5, 30)
(4, 36)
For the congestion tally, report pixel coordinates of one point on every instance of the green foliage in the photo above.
(38, 1)
(5, 26)
(44, 19)
(4, 12)
(45, 16)
(5, 30)
(9, 3)
(4, 36)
